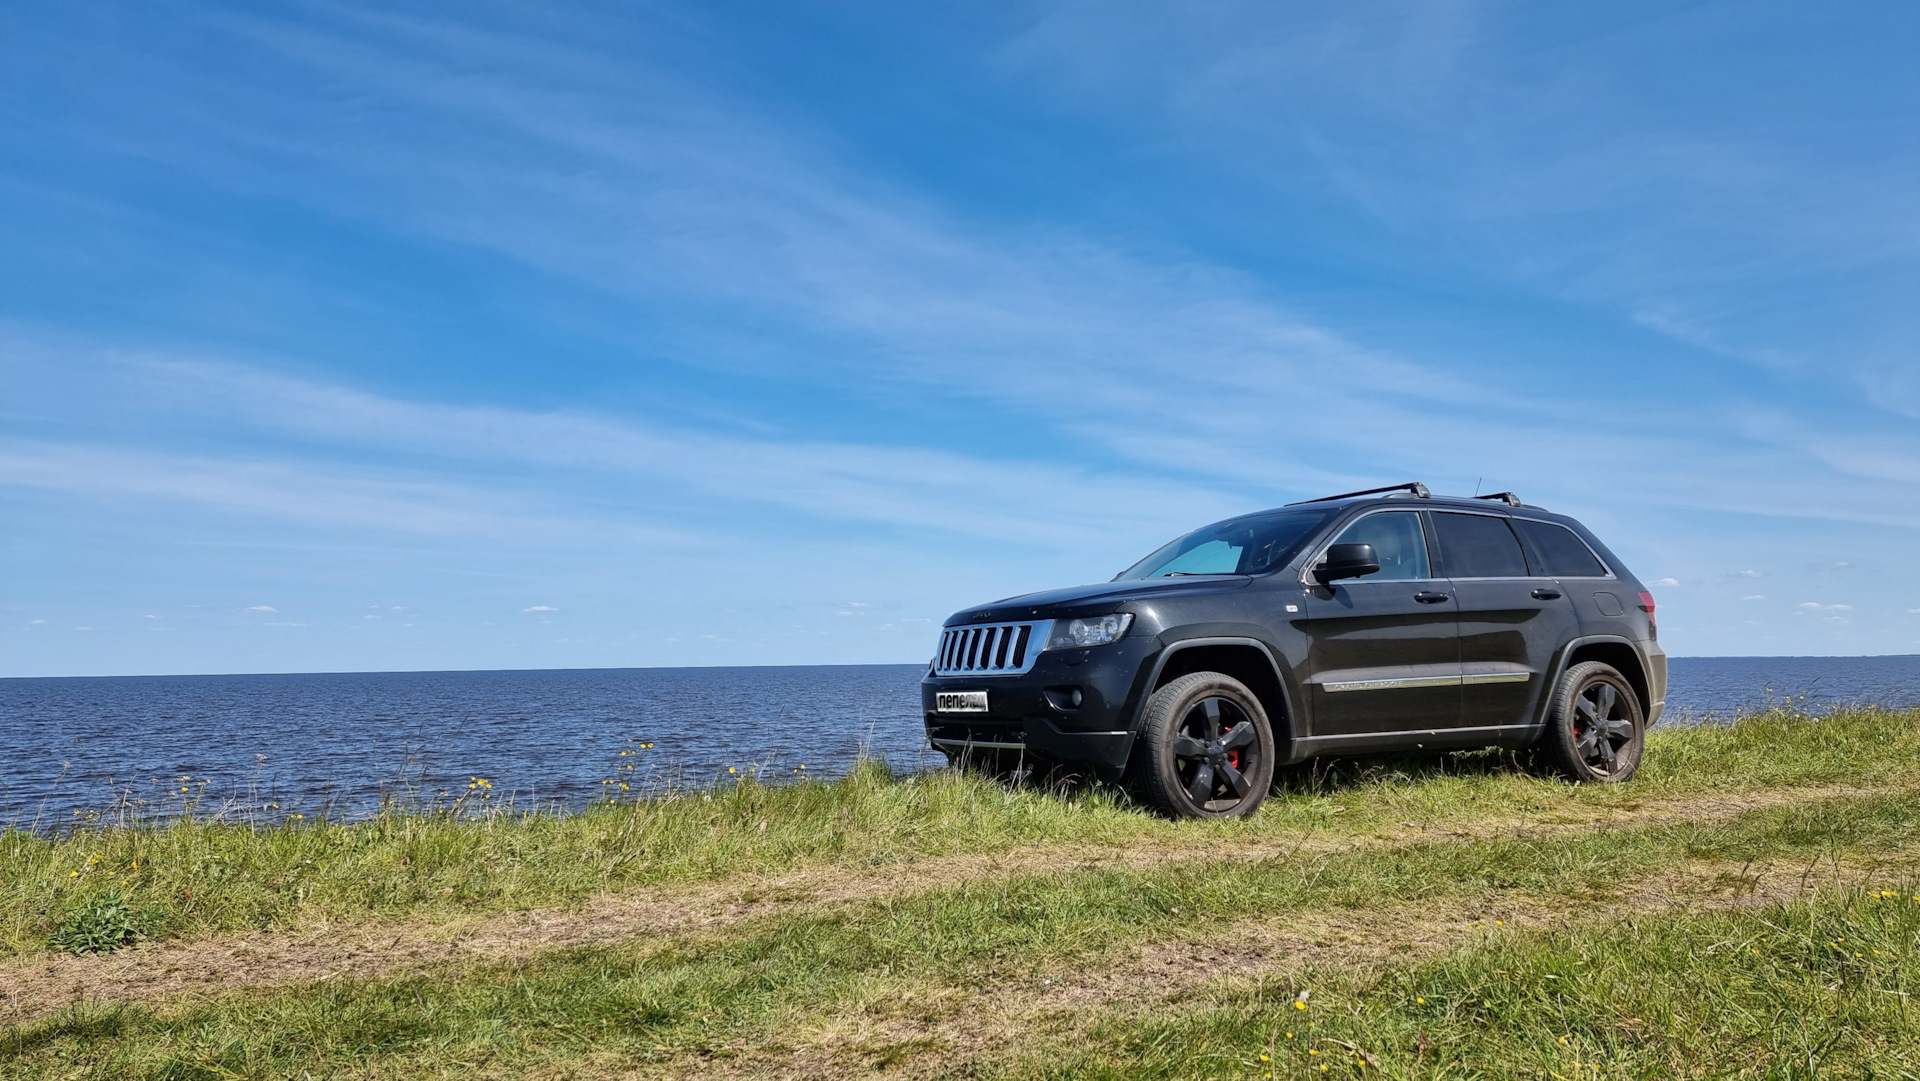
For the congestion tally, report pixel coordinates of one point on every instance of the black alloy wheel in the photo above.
(1207, 748)
(1595, 731)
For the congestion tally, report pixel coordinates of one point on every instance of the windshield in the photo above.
(1250, 545)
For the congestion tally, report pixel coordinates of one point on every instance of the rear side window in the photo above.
(1479, 546)
(1565, 554)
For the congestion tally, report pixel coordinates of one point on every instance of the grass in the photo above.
(1816, 988)
(732, 995)
(199, 877)
(1599, 968)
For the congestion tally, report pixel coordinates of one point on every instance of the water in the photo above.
(337, 744)
(1703, 688)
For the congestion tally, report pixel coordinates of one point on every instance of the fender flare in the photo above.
(1292, 718)
(1560, 669)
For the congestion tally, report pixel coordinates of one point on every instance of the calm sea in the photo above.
(341, 743)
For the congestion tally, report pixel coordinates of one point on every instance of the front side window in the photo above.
(1251, 545)
(1479, 546)
(1565, 554)
(1398, 542)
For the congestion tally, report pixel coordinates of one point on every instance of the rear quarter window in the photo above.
(1562, 551)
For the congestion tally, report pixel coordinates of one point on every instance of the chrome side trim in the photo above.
(1391, 684)
(1495, 677)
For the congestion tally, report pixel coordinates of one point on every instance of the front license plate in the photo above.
(960, 701)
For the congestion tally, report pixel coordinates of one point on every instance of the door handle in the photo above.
(1546, 594)
(1428, 596)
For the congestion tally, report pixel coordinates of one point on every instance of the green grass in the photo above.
(1818, 988)
(740, 994)
(197, 877)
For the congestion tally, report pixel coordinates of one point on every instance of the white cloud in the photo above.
(540, 608)
(1754, 597)
(83, 628)
(317, 493)
(149, 617)
(35, 622)
(262, 608)
(1666, 581)
(909, 486)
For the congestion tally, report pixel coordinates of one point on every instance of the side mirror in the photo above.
(1347, 561)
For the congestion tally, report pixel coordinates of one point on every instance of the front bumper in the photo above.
(1033, 711)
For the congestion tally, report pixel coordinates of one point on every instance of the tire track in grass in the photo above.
(34, 985)
(985, 1030)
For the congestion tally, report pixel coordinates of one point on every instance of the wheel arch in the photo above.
(1608, 649)
(1248, 660)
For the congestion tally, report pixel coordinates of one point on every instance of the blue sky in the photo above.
(507, 335)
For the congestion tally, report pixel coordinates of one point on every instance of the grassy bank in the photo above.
(196, 878)
(1445, 918)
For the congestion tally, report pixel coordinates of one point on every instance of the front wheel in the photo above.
(1207, 748)
(1595, 730)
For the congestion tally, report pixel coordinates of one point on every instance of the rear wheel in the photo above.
(1595, 730)
(1206, 747)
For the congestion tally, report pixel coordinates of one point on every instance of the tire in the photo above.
(1596, 733)
(1206, 748)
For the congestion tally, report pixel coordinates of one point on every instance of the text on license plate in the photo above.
(960, 701)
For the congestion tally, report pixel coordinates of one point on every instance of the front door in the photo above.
(1512, 618)
(1383, 655)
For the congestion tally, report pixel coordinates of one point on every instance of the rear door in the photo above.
(1513, 618)
(1383, 653)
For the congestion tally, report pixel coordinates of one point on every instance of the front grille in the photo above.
(991, 649)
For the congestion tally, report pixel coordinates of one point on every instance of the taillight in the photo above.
(1646, 605)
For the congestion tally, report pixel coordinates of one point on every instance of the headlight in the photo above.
(1094, 631)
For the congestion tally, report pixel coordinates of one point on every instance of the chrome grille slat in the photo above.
(993, 649)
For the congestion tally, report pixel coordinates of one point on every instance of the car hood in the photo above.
(1093, 599)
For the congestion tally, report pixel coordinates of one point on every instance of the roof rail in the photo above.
(1414, 486)
(1508, 498)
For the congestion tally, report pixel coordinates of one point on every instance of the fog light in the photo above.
(1064, 699)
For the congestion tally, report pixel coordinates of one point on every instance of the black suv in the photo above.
(1379, 620)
